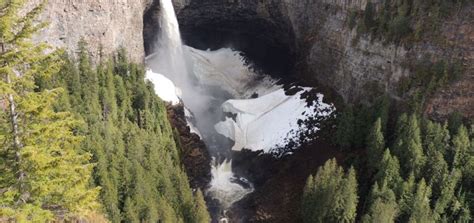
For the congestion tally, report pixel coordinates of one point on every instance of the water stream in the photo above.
(197, 78)
(230, 106)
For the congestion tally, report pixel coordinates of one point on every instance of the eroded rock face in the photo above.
(104, 24)
(308, 40)
(317, 35)
(194, 154)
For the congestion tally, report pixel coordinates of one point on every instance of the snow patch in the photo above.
(272, 121)
(164, 87)
(190, 122)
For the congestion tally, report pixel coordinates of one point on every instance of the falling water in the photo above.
(174, 61)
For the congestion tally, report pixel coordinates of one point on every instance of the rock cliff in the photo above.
(329, 52)
(307, 40)
(104, 24)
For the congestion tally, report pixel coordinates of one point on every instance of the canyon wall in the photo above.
(358, 67)
(314, 35)
(105, 25)
(331, 53)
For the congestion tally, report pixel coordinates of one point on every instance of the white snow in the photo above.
(164, 87)
(270, 121)
(190, 122)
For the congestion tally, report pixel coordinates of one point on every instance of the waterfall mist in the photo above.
(232, 107)
(203, 85)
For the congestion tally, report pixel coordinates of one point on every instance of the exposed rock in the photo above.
(308, 40)
(278, 183)
(194, 154)
(105, 25)
(327, 50)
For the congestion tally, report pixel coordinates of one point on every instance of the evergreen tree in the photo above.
(383, 207)
(447, 194)
(200, 212)
(382, 108)
(347, 205)
(375, 145)
(461, 149)
(420, 208)
(345, 128)
(406, 198)
(43, 171)
(408, 145)
(331, 195)
(389, 171)
(127, 131)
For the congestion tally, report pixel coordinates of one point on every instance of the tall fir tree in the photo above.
(345, 128)
(461, 148)
(389, 172)
(127, 131)
(201, 215)
(383, 205)
(408, 146)
(375, 145)
(420, 208)
(331, 195)
(43, 170)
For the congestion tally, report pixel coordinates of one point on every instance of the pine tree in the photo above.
(435, 142)
(308, 199)
(408, 145)
(43, 169)
(436, 138)
(406, 198)
(389, 171)
(420, 208)
(447, 194)
(382, 108)
(347, 205)
(383, 207)
(200, 212)
(461, 148)
(345, 128)
(375, 145)
(331, 195)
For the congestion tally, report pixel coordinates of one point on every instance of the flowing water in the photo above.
(197, 77)
(212, 85)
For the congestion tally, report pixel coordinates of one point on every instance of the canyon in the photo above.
(327, 51)
(305, 43)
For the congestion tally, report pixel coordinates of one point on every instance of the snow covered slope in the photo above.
(271, 121)
(164, 87)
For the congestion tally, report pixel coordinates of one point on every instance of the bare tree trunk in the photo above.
(17, 145)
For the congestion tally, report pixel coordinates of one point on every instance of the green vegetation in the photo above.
(79, 140)
(425, 176)
(331, 195)
(403, 20)
(426, 78)
(44, 171)
(127, 131)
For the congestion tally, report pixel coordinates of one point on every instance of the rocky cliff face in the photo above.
(308, 40)
(105, 25)
(328, 52)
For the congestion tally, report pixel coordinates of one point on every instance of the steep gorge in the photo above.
(328, 52)
(310, 37)
(309, 42)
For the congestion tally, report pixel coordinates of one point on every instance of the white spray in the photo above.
(173, 61)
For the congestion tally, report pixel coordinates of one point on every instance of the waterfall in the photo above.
(226, 186)
(186, 68)
(230, 106)
(168, 58)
